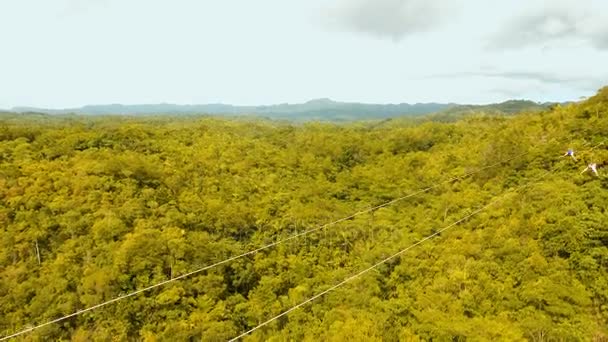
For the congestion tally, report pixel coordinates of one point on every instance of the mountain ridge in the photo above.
(315, 109)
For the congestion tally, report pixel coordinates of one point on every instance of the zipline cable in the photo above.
(352, 277)
(251, 252)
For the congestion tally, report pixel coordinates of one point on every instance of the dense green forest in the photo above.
(92, 208)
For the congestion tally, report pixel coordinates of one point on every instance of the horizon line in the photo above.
(20, 107)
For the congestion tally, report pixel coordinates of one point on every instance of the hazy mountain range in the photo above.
(319, 109)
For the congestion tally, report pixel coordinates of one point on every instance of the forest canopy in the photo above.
(92, 208)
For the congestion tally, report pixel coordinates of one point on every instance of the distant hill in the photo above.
(507, 107)
(318, 109)
(510, 107)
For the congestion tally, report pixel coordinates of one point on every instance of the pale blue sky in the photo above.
(67, 53)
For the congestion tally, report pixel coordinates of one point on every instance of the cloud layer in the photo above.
(392, 19)
(532, 23)
(515, 75)
(586, 83)
(550, 27)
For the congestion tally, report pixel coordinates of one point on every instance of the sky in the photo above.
(69, 53)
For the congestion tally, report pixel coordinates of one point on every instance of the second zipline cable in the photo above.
(357, 275)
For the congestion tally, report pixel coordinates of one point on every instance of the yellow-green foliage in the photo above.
(93, 208)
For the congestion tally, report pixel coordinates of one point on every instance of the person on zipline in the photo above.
(570, 153)
(592, 167)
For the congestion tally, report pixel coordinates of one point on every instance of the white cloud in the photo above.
(393, 19)
(562, 23)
